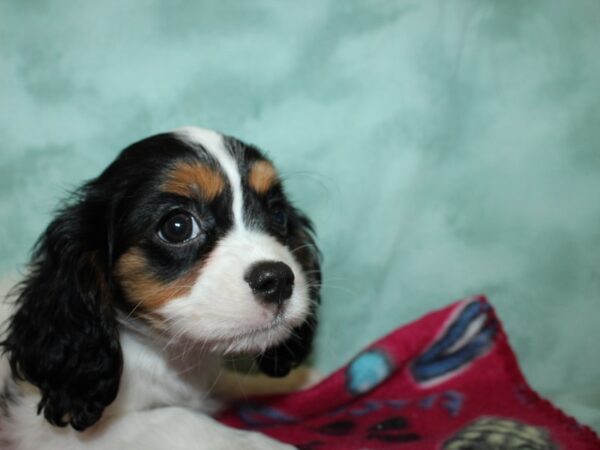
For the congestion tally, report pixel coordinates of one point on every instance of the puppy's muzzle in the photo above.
(271, 281)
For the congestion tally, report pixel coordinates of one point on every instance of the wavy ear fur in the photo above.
(279, 360)
(62, 337)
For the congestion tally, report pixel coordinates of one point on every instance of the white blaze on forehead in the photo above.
(214, 144)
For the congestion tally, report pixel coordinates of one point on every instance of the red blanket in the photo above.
(448, 381)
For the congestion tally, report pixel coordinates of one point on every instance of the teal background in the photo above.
(442, 148)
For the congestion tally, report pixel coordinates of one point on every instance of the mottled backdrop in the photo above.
(443, 148)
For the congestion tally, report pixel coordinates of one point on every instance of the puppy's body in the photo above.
(184, 249)
(148, 382)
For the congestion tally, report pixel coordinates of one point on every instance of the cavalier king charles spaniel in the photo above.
(184, 249)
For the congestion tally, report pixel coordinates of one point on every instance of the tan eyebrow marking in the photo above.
(192, 179)
(262, 176)
(142, 288)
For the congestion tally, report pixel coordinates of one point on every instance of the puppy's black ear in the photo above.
(62, 337)
(279, 360)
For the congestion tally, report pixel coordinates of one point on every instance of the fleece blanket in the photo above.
(448, 381)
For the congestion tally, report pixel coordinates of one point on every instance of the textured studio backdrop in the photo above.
(442, 148)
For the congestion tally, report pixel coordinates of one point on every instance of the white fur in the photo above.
(213, 143)
(163, 401)
(221, 309)
(164, 396)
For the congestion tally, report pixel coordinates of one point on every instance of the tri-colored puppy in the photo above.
(183, 249)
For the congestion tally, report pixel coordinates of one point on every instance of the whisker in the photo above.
(296, 249)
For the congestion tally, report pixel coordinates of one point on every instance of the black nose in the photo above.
(271, 281)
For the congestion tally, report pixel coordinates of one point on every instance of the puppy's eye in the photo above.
(179, 227)
(279, 219)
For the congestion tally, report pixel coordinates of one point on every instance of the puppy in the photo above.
(184, 249)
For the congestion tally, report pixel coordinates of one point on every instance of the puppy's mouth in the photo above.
(276, 323)
(254, 339)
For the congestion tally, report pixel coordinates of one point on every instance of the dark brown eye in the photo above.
(179, 227)
(279, 219)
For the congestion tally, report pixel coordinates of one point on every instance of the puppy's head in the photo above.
(190, 233)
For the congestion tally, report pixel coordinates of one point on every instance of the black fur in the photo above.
(280, 360)
(63, 337)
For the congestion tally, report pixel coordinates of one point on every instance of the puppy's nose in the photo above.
(271, 282)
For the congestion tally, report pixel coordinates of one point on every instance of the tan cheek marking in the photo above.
(142, 288)
(262, 176)
(193, 179)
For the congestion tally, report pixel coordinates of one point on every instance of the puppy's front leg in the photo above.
(177, 428)
(169, 428)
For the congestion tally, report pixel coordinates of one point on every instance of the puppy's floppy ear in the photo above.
(62, 337)
(279, 360)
